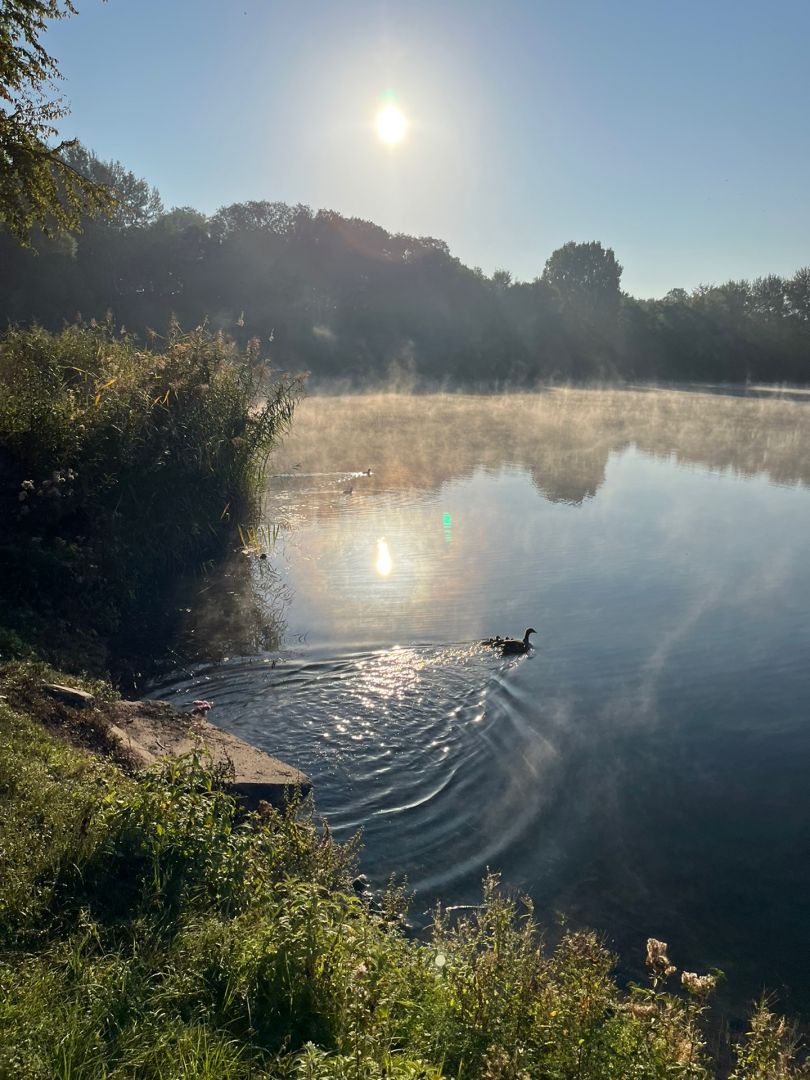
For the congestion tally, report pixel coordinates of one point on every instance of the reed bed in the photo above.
(121, 469)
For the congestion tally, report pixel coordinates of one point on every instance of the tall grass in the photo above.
(121, 467)
(148, 930)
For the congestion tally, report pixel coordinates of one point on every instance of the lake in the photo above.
(646, 768)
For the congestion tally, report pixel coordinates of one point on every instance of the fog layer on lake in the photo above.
(644, 770)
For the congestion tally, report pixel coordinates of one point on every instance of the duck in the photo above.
(511, 646)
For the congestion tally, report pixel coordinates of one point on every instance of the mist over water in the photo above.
(645, 769)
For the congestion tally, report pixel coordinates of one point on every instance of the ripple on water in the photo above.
(410, 743)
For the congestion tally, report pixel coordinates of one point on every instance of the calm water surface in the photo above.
(646, 769)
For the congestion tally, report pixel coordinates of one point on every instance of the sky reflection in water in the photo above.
(645, 768)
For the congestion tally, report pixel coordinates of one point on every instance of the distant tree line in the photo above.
(342, 297)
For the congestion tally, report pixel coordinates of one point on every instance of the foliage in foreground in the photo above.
(38, 187)
(146, 930)
(120, 467)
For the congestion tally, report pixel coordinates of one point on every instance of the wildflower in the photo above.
(657, 960)
(360, 970)
(699, 985)
(203, 706)
(27, 485)
(440, 960)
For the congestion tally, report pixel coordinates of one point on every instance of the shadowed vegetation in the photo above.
(351, 302)
(121, 468)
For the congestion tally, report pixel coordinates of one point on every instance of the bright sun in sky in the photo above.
(392, 124)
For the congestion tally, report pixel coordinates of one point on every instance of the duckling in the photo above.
(513, 646)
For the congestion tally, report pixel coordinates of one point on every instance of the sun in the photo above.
(392, 124)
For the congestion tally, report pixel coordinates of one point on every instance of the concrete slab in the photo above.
(148, 730)
(69, 695)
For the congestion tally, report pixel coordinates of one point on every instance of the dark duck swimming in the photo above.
(511, 646)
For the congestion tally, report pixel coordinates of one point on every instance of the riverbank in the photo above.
(138, 735)
(148, 929)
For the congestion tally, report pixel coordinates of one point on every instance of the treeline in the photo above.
(343, 298)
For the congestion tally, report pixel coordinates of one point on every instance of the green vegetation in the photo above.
(39, 188)
(120, 468)
(148, 930)
(346, 299)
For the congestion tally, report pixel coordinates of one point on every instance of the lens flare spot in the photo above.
(392, 124)
(384, 565)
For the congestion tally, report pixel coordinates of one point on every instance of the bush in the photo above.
(120, 469)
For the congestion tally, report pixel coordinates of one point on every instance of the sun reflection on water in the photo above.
(383, 565)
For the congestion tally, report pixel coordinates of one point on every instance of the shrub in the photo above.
(120, 469)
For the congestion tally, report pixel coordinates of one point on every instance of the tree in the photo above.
(136, 203)
(585, 277)
(798, 290)
(38, 187)
(502, 280)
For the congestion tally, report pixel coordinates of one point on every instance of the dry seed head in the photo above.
(657, 960)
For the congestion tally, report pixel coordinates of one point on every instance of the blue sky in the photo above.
(674, 132)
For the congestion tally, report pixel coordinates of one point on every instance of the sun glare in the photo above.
(383, 564)
(392, 124)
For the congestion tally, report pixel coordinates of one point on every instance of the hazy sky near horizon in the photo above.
(675, 133)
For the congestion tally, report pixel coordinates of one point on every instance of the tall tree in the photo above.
(586, 277)
(38, 187)
(135, 202)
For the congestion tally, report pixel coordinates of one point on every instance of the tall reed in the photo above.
(122, 467)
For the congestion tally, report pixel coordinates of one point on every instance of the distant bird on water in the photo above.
(511, 646)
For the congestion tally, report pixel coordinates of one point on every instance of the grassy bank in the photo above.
(121, 469)
(146, 930)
